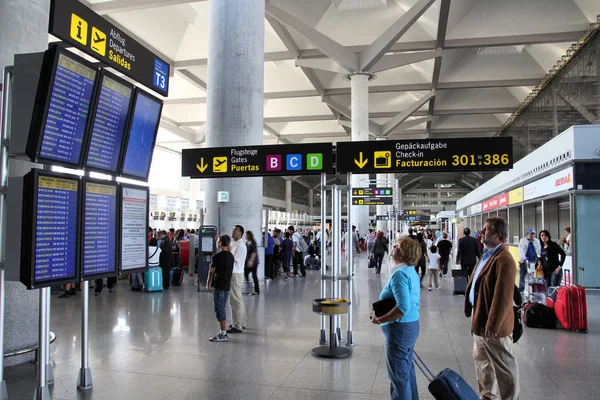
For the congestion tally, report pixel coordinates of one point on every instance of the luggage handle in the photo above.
(423, 367)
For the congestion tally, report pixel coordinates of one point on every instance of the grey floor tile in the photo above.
(284, 393)
(216, 390)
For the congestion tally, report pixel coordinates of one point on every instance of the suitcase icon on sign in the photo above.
(383, 159)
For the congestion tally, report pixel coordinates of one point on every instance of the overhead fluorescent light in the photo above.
(496, 50)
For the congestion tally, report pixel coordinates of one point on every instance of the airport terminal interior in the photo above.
(135, 132)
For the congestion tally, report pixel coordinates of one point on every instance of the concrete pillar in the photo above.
(359, 84)
(23, 29)
(234, 105)
(311, 202)
(288, 196)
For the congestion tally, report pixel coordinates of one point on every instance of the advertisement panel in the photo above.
(557, 182)
(515, 196)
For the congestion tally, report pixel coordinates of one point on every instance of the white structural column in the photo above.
(23, 29)
(288, 196)
(234, 105)
(311, 202)
(359, 84)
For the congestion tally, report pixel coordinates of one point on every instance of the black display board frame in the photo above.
(122, 187)
(90, 128)
(42, 104)
(29, 228)
(136, 95)
(117, 236)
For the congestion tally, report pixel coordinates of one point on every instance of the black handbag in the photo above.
(384, 306)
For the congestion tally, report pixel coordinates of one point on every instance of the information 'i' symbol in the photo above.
(79, 30)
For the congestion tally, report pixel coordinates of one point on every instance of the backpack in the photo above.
(302, 245)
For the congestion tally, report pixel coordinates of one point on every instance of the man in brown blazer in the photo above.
(488, 302)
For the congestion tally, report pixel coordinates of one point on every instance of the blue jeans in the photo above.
(219, 301)
(379, 260)
(556, 279)
(400, 339)
(523, 274)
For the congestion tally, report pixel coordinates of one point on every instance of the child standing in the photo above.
(286, 255)
(434, 268)
(219, 279)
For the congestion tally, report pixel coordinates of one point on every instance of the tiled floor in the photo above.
(154, 346)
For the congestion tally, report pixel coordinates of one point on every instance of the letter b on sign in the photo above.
(314, 161)
(274, 163)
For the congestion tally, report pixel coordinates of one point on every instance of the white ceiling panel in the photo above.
(295, 128)
(465, 121)
(295, 107)
(186, 112)
(546, 55)
(281, 76)
(476, 98)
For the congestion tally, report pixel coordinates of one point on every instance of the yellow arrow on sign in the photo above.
(360, 162)
(202, 167)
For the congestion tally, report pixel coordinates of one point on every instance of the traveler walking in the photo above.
(239, 251)
(370, 243)
(379, 249)
(166, 258)
(434, 268)
(489, 304)
(287, 246)
(298, 251)
(400, 326)
(251, 261)
(468, 252)
(444, 248)
(422, 264)
(269, 254)
(529, 253)
(219, 281)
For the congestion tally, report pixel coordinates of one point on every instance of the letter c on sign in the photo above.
(294, 162)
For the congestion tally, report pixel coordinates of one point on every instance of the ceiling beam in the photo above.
(411, 87)
(113, 7)
(374, 127)
(341, 55)
(509, 40)
(274, 133)
(411, 124)
(400, 60)
(372, 54)
(284, 35)
(399, 118)
(191, 78)
(402, 185)
(324, 64)
(576, 105)
(437, 66)
(171, 126)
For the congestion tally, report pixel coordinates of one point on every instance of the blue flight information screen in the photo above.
(100, 229)
(56, 229)
(109, 125)
(146, 114)
(64, 130)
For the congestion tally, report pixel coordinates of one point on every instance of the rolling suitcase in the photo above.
(551, 297)
(571, 307)
(153, 280)
(177, 276)
(372, 262)
(447, 385)
(537, 315)
(460, 280)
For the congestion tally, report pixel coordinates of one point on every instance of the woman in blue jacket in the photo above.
(400, 326)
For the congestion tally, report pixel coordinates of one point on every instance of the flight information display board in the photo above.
(50, 229)
(134, 228)
(109, 116)
(142, 136)
(60, 118)
(100, 224)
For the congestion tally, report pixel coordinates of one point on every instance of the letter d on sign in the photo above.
(314, 161)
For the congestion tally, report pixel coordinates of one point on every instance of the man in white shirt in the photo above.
(529, 251)
(239, 251)
(297, 253)
(321, 238)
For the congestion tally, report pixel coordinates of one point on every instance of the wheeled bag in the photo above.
(460, 281)
(153, 280)
(372, 262)
(571, 308)
(447, 385)
(177, 276)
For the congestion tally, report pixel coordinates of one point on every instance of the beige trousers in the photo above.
(238, 312)
(496, 368)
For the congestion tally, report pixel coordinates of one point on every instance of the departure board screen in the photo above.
(99, 229)
(110, 118)
(56, 229)
(134, 226)
(142, 135)
(68, 110)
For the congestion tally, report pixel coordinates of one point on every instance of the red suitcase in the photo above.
(571, 308)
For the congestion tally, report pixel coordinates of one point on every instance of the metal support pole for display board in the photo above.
(336, 243)
(41, 391)
(84, 381)
(350, 250)
(49, 368)
(4, 137)
(323, 333)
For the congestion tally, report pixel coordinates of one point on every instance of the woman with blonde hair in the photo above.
(400, 325)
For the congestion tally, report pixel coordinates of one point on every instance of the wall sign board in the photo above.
(134, 226)
(426, 155)
(76, 24)
(271, 160)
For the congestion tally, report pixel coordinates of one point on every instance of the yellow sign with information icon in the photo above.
(220, 164)
(79, 29)
(383, 159)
